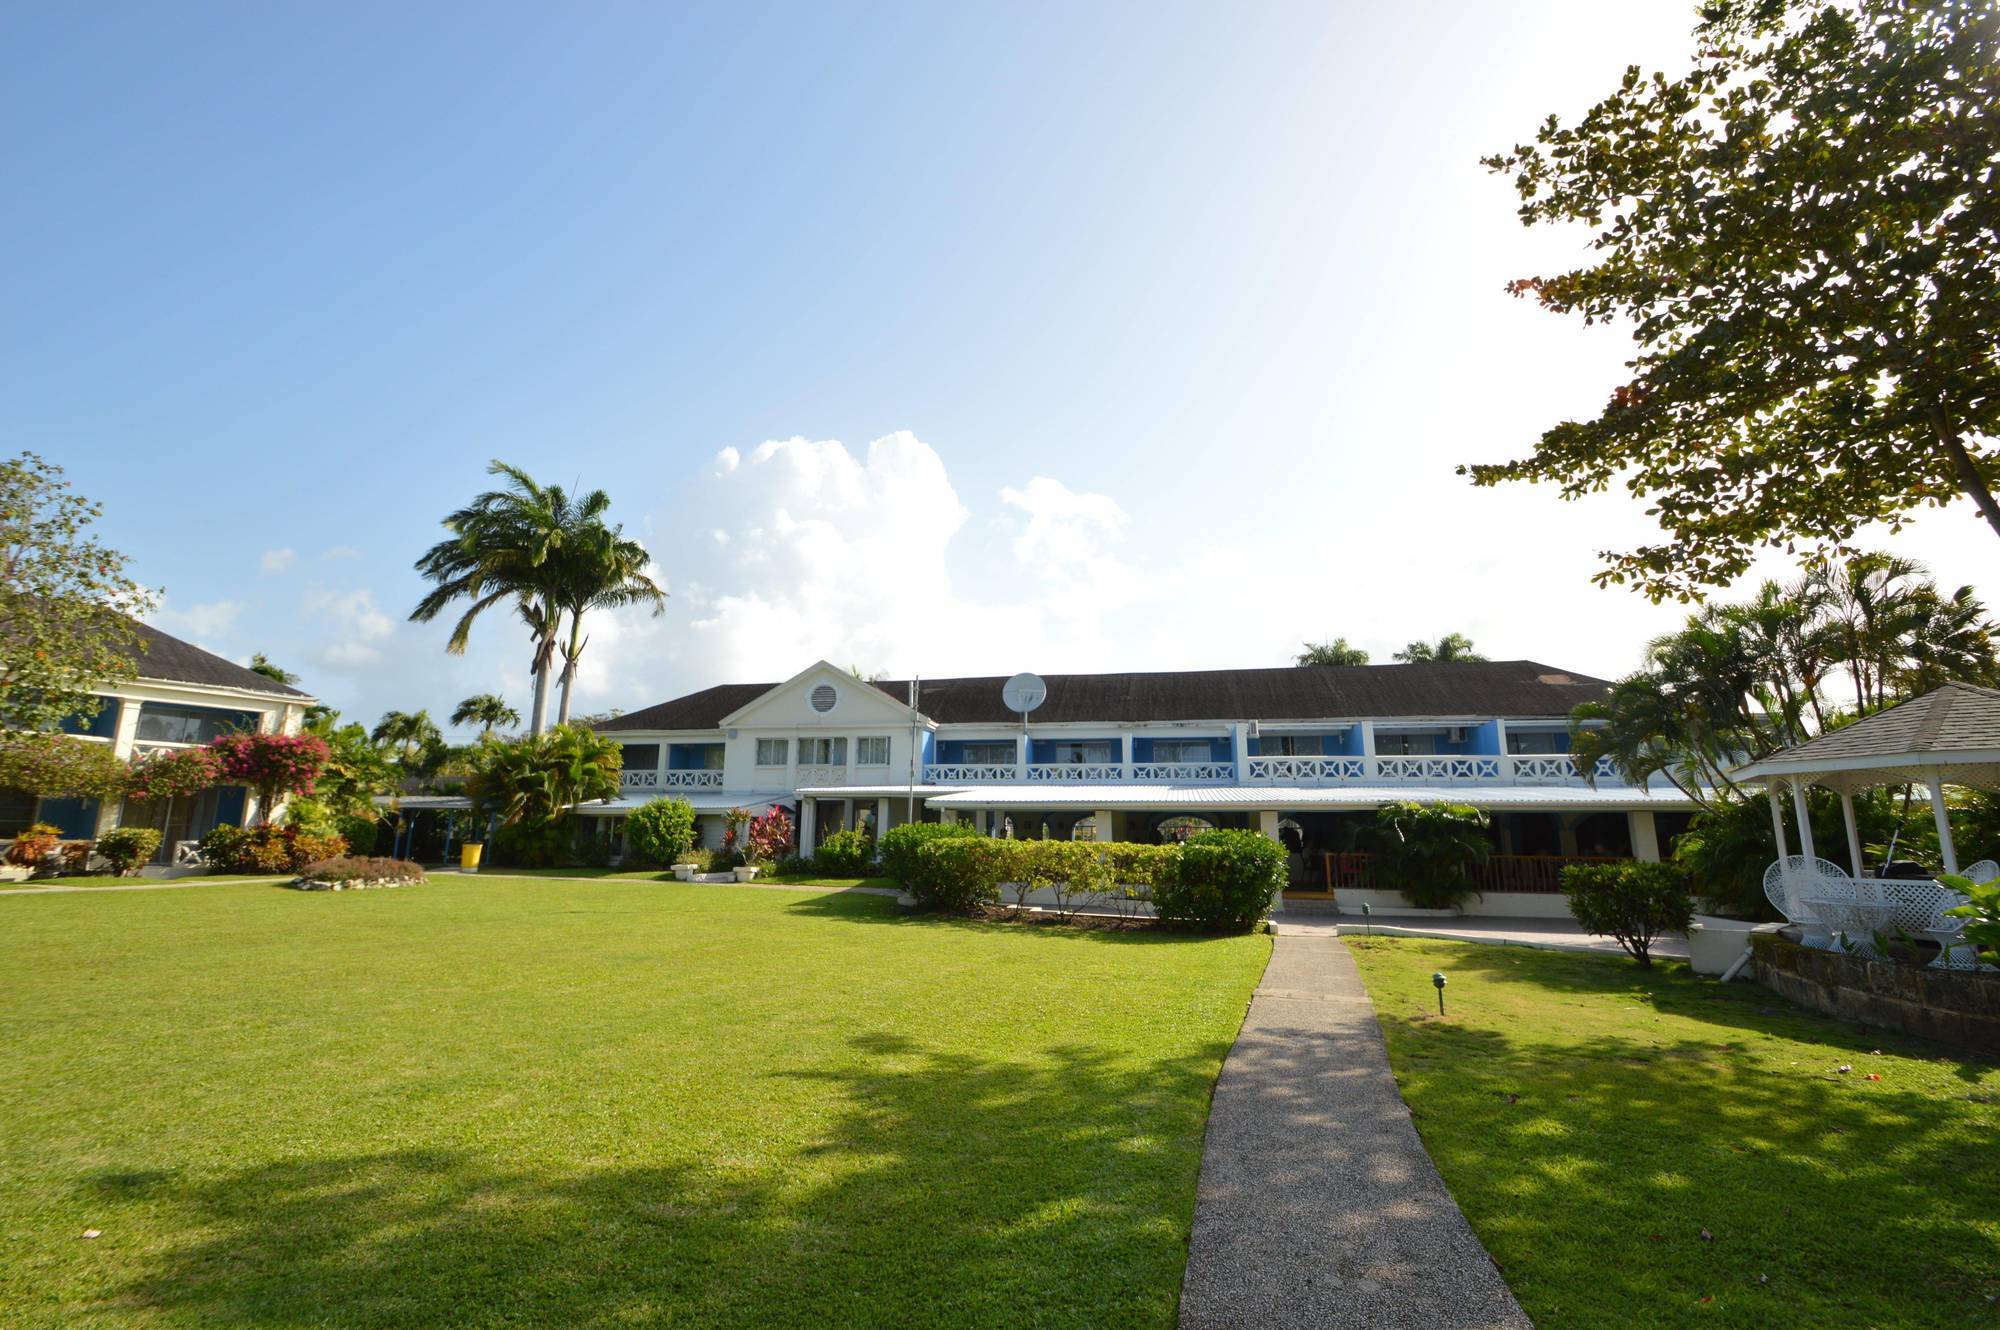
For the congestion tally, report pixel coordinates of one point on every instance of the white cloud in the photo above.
(341, 552)
(727, 461)
(349, 655)
(276, 561)
(209, 620)
(353, 614)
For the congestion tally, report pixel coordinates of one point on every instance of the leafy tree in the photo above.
(1803, 232)
(539, 777)
(261, 664)
(1336, 652)
(486, 710)
(66, 603)
(1452, 648)
(57, 766)
(659, 831)
(356, 770)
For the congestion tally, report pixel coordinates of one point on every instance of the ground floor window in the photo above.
(189, 817)
(17, 812)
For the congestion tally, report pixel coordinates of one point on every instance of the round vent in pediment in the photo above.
(823, 698)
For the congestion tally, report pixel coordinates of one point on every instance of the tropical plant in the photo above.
(538, 778)
(355, 774)
(261, 664)
(1336, 652)
(1426, 851)
(350, 872)
(32, 844)
(66, 603)
(1452, 648)
(771, 836)
(266, 849)
(412, 736)
(57, 766)
(1220, 881)
(1981, 913)
(1632, 902)
(1799, 232)
(125, 848)
(274, 766)
(961, 874)
(600, 569)
(486, 710)
(659, 831)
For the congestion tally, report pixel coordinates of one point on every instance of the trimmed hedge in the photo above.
(960, 873)
(843, 854)
(899, 845)
(1220, 881)
(659, 831)
(1633, 902)
(227, 849)
(125, 848)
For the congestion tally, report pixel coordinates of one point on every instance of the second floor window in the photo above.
(1391, 744)
(1182, 750)
(1538, 741)
(872, 750)
(771, 752)
(988, 755)
(823, 752)
(640, 757)
(164, 722)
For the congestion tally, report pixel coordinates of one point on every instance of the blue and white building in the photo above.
(1303, 754)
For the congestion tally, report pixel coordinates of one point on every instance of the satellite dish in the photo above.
(1024, 692)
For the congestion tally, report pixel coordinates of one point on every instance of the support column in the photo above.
(1853, 832)
(881, 817)
(1103, 823)
(1267, 822)
(808, 833)
(1239, 744)
(1566, 835)
(1804, 815)
(1945, 847)
(1777, 816)
(947, 815)
(1645, 836)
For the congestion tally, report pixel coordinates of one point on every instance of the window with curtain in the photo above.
(872, 750)
(823, 752)
(1000, 754)
(772, 752)
(1182, 750)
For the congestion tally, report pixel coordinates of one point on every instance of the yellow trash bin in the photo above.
(468, 855)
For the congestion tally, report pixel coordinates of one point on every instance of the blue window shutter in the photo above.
(229, 805)
(75, 818)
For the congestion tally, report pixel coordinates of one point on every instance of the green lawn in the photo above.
(573, 1102)
(1662, 1151)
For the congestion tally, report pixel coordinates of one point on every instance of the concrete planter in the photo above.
(683, 872)
(745, 874)
(1715, 943)
(15, 873)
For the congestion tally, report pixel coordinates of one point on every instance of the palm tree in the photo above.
(504, 546)
(1871, 603)
(601, 570)
(1951, 640)
(1452, 648)
(486, 710)
(411, 733)
(1336, 652)
(261, 664)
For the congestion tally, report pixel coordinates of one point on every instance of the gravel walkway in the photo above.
(1317, 1204)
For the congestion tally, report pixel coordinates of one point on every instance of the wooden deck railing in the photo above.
(1500, 872)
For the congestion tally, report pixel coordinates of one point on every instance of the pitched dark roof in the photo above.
(170, 660)
(1952, 719)
(1514, 688)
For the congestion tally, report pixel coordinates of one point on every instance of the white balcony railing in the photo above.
(812, 777)
(1438, 770)
(707, 778)
(970, 773)
(1307, 770)
(638, 780)
(1196, 771)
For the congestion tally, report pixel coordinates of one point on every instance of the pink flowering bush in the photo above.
(273, 765)
(174, 773)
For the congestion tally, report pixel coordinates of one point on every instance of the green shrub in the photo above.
(125, 848)
(1981, 913)
(32, 844)
(843, 854)
(531, 843)
(1427, 851)
(361, 871)
(960, 873)
(1220, 881)
(899, 845)
(267, 849)
(659, 831)
(1133, 865)
(698, 858)
(1072, 872)
(1633, 902)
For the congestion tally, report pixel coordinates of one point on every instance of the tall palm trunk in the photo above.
(570, 655)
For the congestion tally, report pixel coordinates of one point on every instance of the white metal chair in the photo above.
(1795, 880)
(1982, 872)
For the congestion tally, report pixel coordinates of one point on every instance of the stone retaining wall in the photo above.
(1959, 1007)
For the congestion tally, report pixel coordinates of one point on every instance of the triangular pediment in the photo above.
(822, 694)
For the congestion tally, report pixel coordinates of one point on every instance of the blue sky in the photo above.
(1173, 320)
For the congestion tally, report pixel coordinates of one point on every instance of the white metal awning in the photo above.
(1503, 798)
(703, 801)
(874, 791)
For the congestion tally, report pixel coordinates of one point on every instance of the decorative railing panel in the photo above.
(703, 779)
(1308, 770)
(1448, 770)
(638, 780)
(1069, 772)
(1556, 769)
(813, 776)
(1184, 771)
(970, 772)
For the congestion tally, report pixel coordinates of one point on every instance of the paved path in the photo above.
(141, 884)
(1553, 934)
(1317, 1205)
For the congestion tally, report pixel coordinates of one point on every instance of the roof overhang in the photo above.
(701, 802)
(1975, 767)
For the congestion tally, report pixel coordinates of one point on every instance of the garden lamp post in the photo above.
(1437, 982)
(1367, 924)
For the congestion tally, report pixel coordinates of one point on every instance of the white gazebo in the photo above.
(1949, 736)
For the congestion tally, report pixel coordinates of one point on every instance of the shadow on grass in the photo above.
(948, 1190)
(1621, 1178)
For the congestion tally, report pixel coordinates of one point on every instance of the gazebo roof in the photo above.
(1950, 735)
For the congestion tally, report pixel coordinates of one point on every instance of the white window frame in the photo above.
(1177, 750)
(866, 744)
(823, 752)
(999, 758)
(781, 746)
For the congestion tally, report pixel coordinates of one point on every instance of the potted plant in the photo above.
(689, 863)
(32, 846)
